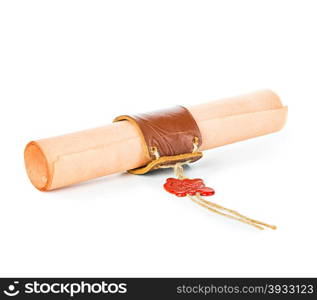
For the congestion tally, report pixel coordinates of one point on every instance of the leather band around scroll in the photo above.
(169, 136)
(172, 138)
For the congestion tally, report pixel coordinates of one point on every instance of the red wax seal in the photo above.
(182, 187)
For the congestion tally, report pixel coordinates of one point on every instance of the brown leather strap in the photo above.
(170, 133)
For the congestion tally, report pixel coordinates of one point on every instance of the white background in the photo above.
(72, 65)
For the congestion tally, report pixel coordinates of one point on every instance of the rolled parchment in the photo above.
(64, 160)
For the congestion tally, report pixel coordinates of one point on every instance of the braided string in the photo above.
(218, 209)
(211, 206)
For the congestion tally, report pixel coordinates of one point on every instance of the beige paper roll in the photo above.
(60, 161)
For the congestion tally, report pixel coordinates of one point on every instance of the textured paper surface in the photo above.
(60, 161)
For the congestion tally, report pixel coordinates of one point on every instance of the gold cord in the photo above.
(218, 209)
(233, 212)
(223, 214)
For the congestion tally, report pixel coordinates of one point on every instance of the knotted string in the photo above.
(216, 208)
(211, 206)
